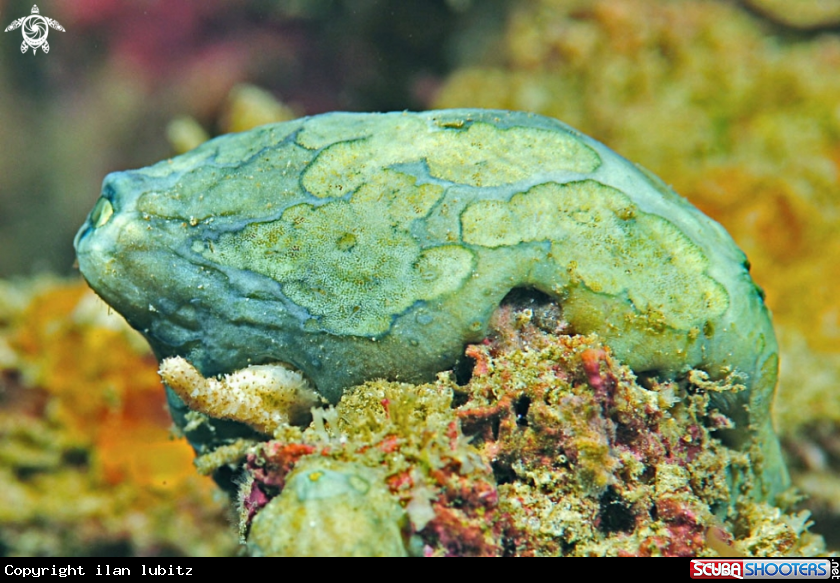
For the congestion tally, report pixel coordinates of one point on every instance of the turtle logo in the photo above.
(35, 30)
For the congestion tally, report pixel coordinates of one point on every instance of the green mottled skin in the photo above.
(359, 246)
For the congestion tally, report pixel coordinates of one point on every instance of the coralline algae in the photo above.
(552, 448)
(361, 246)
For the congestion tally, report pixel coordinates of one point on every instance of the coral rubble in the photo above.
(551, 448)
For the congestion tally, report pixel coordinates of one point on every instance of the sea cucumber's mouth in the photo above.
(102, 212)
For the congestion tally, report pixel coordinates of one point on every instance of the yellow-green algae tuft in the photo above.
(803, 14)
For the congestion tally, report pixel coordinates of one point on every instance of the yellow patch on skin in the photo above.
(626, 250)
(352, 264)
(481, 155)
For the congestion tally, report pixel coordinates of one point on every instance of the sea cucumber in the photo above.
(360, 246)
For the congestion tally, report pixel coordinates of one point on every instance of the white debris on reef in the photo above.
(265, 397)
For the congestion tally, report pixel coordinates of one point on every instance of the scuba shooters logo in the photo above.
(35, 29)
(765, 569)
